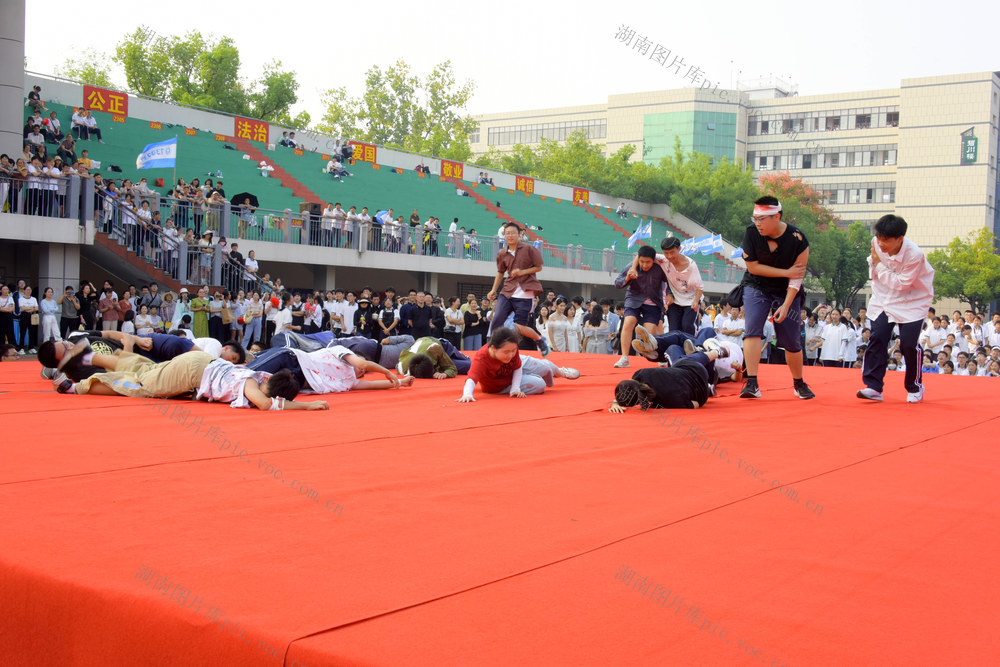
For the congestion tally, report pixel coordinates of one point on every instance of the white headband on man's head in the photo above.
(760, 209)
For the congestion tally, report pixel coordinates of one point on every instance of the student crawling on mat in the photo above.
(499, 368)
(192, 372)
(684, 385)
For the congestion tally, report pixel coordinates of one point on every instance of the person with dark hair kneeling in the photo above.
(431, 357)
(499, 368)
(684, 385)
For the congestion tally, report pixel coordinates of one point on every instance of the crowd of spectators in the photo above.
(964, 344)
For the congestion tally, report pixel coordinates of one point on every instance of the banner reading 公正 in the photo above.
(364, 152)
(250, 129)
(451, 169)
(524, 184)
(108, 101)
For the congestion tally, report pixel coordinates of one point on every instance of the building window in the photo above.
(862, 121)
(711, 127)
(892, 119)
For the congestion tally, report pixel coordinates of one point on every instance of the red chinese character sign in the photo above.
(524, 184)
(364, 152)
(451, 169)
(250, 129)
(108, 101)
(581, 196)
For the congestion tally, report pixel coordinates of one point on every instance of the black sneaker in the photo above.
(62, 383)
(750, 389)
(803, 391)
(543, 347)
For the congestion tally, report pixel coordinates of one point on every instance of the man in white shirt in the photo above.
(326, 224)
(92, 128)
(348, 308)
(79, 126)
(933, 337)
(452, 229)
(902, 291)
(336, 310)
(339, 216)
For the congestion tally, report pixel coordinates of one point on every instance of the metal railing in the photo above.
(189, 262)
(53, 197)
(168, 246)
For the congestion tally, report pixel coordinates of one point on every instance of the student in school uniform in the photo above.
(902, 291)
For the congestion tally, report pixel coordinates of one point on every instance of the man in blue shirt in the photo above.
(643, 298)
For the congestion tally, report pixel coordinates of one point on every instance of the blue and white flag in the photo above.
(641, 232)
(737, 254)
(160, 154)
(687, 247)
(380, 216)
(713, 245)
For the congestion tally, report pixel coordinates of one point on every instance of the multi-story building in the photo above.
(927, 150)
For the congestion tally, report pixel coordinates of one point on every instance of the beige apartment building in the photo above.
(927, 150)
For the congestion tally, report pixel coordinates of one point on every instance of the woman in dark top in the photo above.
(684, 385)
(473, 338)
(87, 297)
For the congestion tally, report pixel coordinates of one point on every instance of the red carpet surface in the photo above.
(403, 528)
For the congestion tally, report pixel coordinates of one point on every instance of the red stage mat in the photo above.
(405, 528)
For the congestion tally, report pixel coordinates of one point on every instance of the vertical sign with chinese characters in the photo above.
(970, 146)
(451, 169)
(364, 152)
(250, 129)
(524, 184)
(581, 196)
(108, 101)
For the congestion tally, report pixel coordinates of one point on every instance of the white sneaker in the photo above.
(915, 396)
(870, 394)
(622, 363)
(569, 373)
(644, 343)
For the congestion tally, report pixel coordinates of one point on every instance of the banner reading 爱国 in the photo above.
(108, 101)
(524, 184)
(451, 169)
(581, 196)
(364, 152)
(250, 129)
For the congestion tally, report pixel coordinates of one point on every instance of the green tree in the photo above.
(718, 196)
(203, 71)
(92, 67)
(838, 261)
(968, 270)
(402, 110)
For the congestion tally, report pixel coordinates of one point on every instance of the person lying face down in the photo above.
(194, 372)
(327, 370)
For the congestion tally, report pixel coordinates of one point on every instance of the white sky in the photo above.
(544, 54)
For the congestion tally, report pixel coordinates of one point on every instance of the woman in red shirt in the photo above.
(499, 368)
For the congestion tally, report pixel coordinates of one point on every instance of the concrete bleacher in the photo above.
(197, 157)
(302, 177)
(384, 188)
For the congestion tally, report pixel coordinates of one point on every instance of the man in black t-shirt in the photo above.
(776, 254)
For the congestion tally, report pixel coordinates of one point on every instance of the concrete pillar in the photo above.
(431, 283)
(58, 266)
(331, 278)
(586, 290)
(12, 91)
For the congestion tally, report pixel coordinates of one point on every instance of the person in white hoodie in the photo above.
(902, 291)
